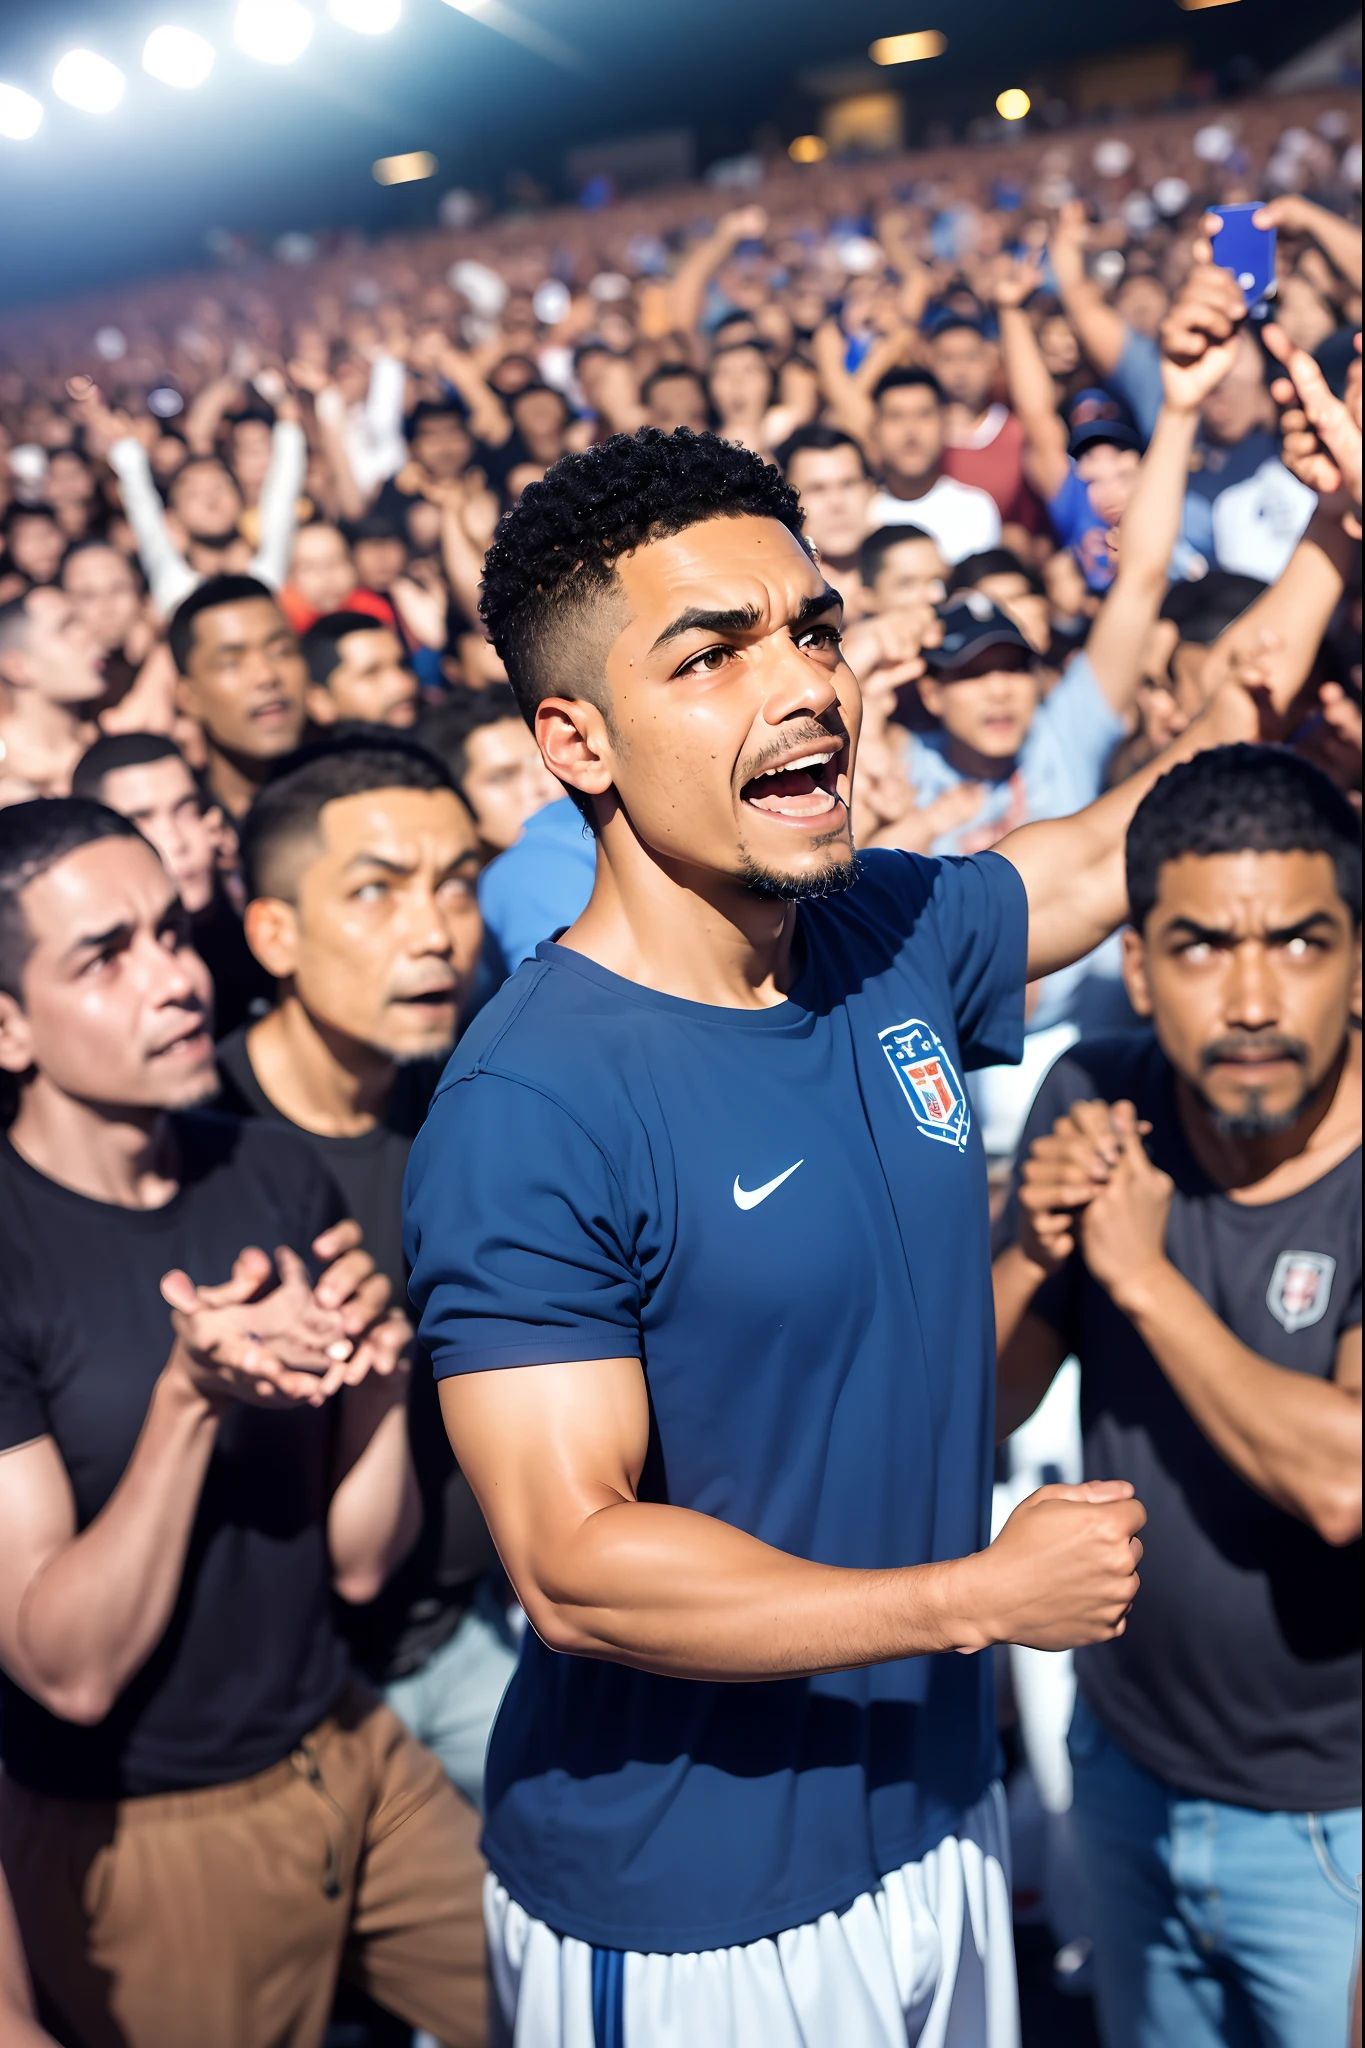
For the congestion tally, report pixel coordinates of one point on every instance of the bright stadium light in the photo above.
(808, 149)
(86, 80)
(20, 113)
(177, 56)
(405, 169)
(1013, 104)
(273, 31)
(367, 17)
(908, 49)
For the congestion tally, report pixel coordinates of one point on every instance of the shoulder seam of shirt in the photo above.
(546, 1095)
(533, 981)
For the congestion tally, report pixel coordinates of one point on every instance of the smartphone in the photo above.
(1248, 252)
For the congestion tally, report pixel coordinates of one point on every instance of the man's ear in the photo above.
(1135, 971)
(16, 1036)
(575, 744)
(185, 699)
(320, 704)
(272, 932)
(14, 669)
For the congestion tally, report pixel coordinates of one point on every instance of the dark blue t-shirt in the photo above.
(782, 1213)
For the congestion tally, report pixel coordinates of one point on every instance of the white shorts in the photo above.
(927, 1959)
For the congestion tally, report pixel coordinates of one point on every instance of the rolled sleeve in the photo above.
(516, 1232)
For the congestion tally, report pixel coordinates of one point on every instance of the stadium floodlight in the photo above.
(367, 17)
(273, 31)
(808, 149)
(86, 80)
(908, 49)
(177, 56)
(1013, 104)
(20, 113)
(405, 169)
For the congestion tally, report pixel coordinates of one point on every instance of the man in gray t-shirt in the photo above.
(1209, 1281)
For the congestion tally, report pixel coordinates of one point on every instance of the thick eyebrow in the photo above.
(1214, 935)
(94, 942)
(743, 618)
(377, 860)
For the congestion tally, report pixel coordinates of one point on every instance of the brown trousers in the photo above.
(223, 1918)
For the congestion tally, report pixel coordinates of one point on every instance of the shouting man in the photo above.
(713, 1319)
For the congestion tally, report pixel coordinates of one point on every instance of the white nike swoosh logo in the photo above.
(746, 1198)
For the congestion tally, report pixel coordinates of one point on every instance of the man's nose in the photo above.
(795, 683)
(425, 930)
(1252, 993)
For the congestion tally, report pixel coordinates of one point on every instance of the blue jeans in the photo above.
(1215, 1926)
(451, 1703)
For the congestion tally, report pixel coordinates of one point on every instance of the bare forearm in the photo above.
(1026, 374)
(663, 1589)
(1099, 329)
(94, 1613)
(1151, 526)
(461, 561)
(1282, 631)
(1073, 868)
(375, 1512)
(488, 419)
(1295, 1439)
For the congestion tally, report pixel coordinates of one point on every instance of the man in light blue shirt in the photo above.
(541, 884)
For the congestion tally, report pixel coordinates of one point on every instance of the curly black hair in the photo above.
(1241, 799)
(555, 552)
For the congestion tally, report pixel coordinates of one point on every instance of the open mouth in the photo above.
(190, 1044)
(428, 999)
(798, 790)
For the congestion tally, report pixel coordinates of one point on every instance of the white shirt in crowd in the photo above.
(963, 520)
(372, 428)
(169, 576)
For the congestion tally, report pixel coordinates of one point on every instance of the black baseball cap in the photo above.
(1103, 433)
(970, 623)
(1095, 417)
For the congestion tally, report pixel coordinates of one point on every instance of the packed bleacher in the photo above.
(278, 822)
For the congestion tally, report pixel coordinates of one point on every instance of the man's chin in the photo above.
(190, 1090)
(829, 877)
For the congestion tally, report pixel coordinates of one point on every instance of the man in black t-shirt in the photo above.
(145, 777)
(1209, 1281)
(362, 865)
(202, 1819)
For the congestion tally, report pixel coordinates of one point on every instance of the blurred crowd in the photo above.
(242, 528)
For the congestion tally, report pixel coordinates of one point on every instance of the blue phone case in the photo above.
(1248, 252)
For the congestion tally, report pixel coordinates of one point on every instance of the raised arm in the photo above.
(1073, 867)
(280, 499)
(1338, 239)
(205, 415)
(489, 420)
(169, 575)
(1032, 398)
(1151, 522)
(687, 291)
(554, 1454)
(1101, 331)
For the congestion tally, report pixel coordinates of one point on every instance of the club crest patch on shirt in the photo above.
(929, 1081)
(1300, 1288)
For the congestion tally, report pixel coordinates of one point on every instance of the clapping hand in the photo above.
(267, 1337)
